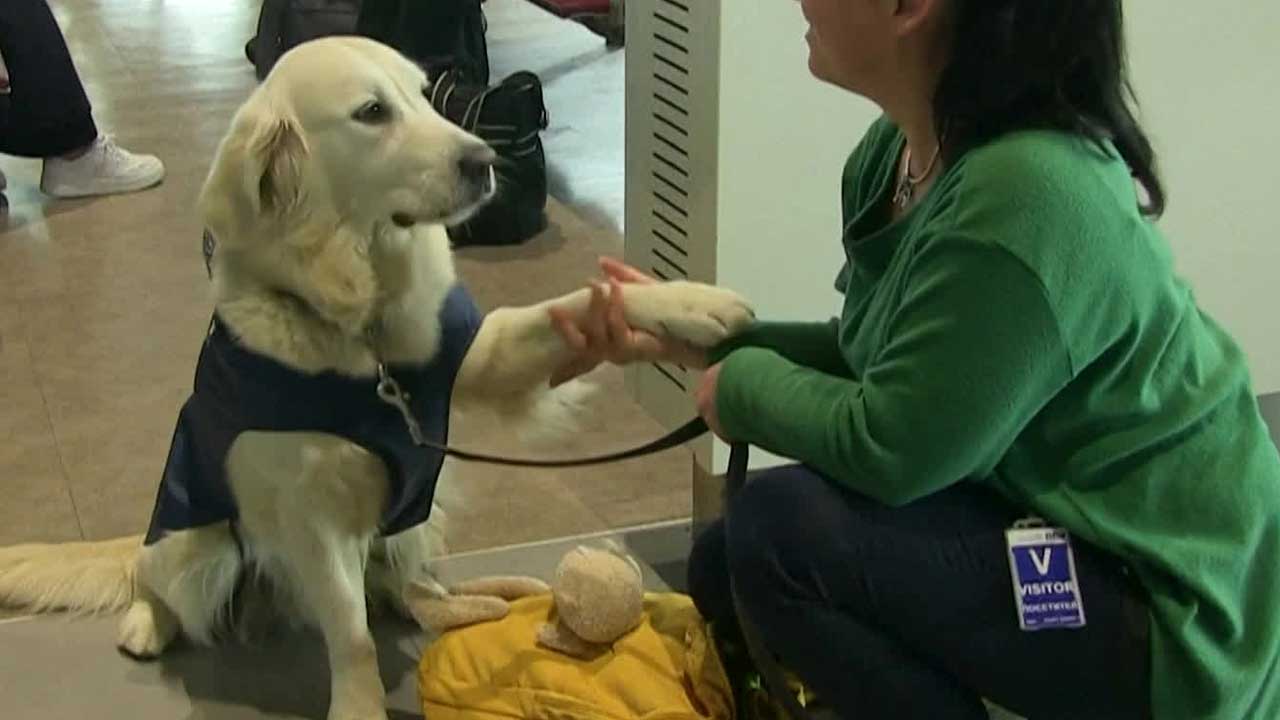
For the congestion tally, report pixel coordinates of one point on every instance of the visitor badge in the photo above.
(1044, 577)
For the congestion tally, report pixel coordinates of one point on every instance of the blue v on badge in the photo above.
(1044, 577)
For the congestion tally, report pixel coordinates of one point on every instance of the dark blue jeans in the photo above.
(909, 612)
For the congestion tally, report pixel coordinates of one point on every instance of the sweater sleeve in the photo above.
(971, 354)
(814, 345)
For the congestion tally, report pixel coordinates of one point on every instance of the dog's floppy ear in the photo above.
(257, 172)
(280, 149)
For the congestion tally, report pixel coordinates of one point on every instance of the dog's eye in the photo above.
(372, 113)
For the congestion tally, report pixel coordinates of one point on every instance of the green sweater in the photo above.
(1023, 327)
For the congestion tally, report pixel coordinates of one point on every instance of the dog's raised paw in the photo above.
(700, 315)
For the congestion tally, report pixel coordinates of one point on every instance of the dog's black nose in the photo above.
(476, 166)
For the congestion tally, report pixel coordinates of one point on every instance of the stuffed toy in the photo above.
(591, 646)
(598, 596)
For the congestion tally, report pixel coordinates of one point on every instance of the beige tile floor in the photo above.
(103, 302)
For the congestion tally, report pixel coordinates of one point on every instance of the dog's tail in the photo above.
(80, 577)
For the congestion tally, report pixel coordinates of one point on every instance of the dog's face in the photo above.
(342, 126)
(375, 139)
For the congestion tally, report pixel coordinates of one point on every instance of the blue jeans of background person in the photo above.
(909, 612)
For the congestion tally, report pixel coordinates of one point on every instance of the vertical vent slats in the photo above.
(669, 264)
(671, 91)
(676, 105)
(668, 222)
(666, 200)
(664, 180)
(671, 84)
(671, 25)
(672, 124)
(666, 240)
(679, 68)
(672, 144)
(669, 163)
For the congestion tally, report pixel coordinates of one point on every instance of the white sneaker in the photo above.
(104, 169)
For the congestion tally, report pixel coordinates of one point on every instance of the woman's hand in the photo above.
(705, 398)
(603, 335)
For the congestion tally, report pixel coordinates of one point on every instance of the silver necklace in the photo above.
(907, 183)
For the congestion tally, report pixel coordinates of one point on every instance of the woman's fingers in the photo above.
(594, 323)
(602, 332)
(622, 272)
(568, 329)
(615, 317)
(686, 355)
(584, 358)
(628, 343)
(645, 346)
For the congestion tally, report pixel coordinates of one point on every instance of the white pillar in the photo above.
(734, 155)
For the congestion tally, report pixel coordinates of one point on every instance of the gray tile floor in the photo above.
(53, 669)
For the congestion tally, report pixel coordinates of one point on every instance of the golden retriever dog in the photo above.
(329, 197)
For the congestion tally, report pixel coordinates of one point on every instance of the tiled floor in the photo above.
(103, 302)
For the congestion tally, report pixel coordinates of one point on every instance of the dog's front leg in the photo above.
(309, 507)
(329, 569)
(518, 349)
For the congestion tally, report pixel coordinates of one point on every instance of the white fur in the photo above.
(301, 197)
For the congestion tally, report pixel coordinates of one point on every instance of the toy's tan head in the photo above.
(599, 594)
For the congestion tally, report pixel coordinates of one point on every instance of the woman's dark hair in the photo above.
(1043, 64)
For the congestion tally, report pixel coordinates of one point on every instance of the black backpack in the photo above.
(509, 116)
(282, 24)
(446, 37)
(437, 34)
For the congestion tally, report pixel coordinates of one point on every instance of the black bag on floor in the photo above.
(510, 117)
(439, 35)
(283, 24)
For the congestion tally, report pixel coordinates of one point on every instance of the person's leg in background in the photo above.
(47, 114)
(4, 112)
(909, 612)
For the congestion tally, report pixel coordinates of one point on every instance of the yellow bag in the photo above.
(666, 669)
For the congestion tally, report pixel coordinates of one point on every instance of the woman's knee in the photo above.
(776, 523)
(708, 575)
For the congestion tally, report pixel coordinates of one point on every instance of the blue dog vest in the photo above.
(237, 390)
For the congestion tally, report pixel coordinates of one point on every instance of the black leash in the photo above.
(390, 392)
(681, 435)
